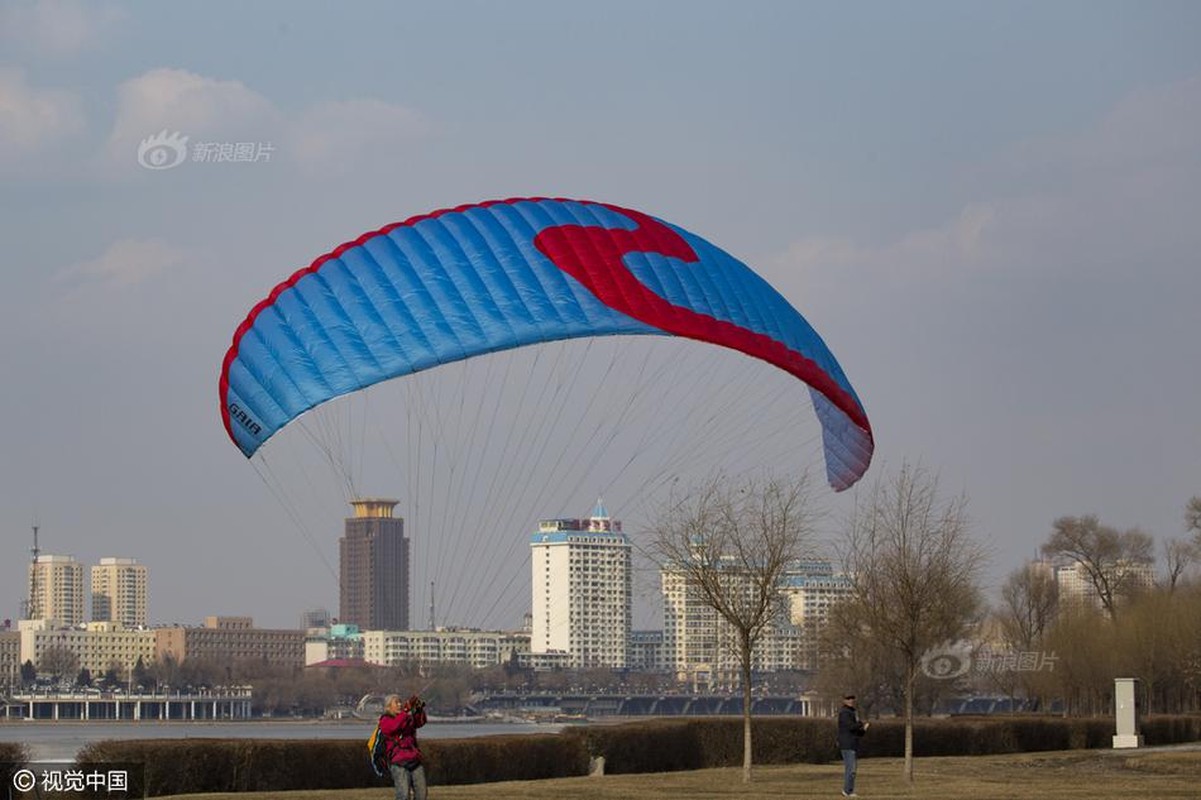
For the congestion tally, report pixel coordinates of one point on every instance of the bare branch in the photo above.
(1029, 599)
(1192, 518)
(915, 567)
(1178, 556)
(1111, 560)
(732, 544)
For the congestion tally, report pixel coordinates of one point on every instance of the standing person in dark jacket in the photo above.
(399, 724)
(850, 731)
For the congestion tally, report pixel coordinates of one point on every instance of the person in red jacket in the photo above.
(399, 726)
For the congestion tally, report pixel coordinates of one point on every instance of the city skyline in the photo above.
(1066, 571)
(580, 618)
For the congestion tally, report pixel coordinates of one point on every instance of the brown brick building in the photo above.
(226, 641)
(374, 565)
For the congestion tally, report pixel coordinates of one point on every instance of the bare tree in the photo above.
(1178, 556)
(1083, 637)
(1192, 519)
(1111, 560)
(915, 568)
(1028, 601)
(58, 661)
(852, 658)
(732, 543)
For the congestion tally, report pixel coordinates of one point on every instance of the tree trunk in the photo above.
(910, 678)
(746, 710)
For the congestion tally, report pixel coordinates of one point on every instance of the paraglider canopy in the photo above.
(457, 283)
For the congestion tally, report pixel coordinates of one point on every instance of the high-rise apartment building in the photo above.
(56, 590)
(119, 591)
(690, 629)
(811, 589)
(1076, 587)
(701, 648)
(374, 565)
(582, 589)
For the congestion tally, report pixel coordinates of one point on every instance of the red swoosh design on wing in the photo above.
(594, 256)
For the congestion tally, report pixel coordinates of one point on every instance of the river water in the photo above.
(60, 741)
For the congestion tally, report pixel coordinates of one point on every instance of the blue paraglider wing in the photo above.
(492, 276)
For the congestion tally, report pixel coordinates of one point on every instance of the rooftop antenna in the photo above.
(432, 606)
(31, 608)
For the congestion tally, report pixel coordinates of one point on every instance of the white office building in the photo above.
(1075, 587)
(582, 590)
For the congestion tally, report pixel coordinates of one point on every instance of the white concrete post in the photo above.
(1126, 713)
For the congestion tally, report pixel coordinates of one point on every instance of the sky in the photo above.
(989, 211)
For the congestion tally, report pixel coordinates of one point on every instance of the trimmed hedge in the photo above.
(193, 766)
(667, 745)
(983, 736)
(1171, 729)
(676, 744)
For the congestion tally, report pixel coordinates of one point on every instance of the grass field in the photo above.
(1095, 775)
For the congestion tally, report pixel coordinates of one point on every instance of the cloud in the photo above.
(1148, 125)
(327, 138)
(33, 120)
(126, 262)
(57, 27)
(201, 108)
(1093, 206)
(128, 287)
(337, 136)
(960, 241)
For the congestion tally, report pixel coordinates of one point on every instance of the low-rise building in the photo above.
(545, 662)
(97, 647)
(229, 640)
(335, 643)
(10, 659)
(474, 648)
